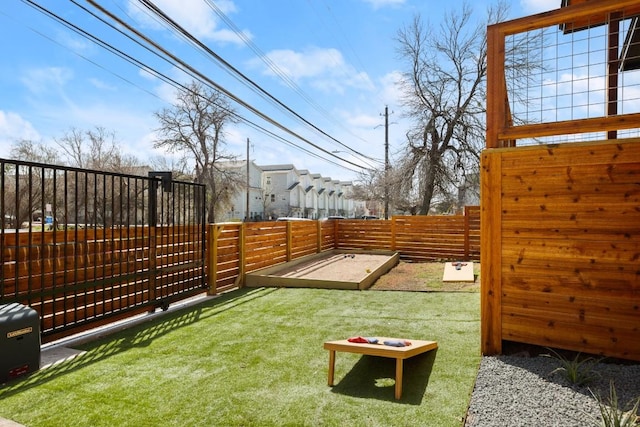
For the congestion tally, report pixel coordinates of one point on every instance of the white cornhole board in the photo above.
(465, 274)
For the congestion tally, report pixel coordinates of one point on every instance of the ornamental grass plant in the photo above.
(255, 357)
(577, 371)
(613, 413)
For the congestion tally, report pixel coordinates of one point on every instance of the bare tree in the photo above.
(265, 194)
(104, 197)
(370, 186)
(403, 191)
(194, 126)
(88, 149)
(34, 152)
(27, 189)
(444, 95)
(396, 184)
(95, 149)
(85, 197)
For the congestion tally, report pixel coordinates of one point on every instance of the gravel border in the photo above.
(525, 391)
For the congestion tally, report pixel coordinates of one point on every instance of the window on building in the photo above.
(273, 197)
(268, 180)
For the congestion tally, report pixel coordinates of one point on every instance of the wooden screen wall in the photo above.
(560, 224)
(561, 247)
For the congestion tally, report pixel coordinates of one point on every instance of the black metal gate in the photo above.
(85, 247)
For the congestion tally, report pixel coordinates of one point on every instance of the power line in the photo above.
(244, 78)
(284, 76)
(343, 35)
(139, 64)
(200, 76)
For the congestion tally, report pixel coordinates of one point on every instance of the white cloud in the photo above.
(326, 69)
(164, 90)
(100, 84)
(537, 6)
(40, 80)
(362, 120)
(378, 4)
(228, 36)
(236, 139)
(299, 65)
(14, 128)
(146, 74)
(75, 43)
(195, 16)
(391, 93)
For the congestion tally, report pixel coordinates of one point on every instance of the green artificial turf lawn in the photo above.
(256, 358)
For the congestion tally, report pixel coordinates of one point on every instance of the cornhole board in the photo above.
(399, 353)
(464, 274)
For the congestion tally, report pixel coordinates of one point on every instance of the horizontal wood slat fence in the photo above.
(238, 248)
(564, 246)
(560, 222)
(83, 278)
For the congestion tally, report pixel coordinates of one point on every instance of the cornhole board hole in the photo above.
(458, 271)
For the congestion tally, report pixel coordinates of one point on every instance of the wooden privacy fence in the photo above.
(238, 248)
(561, 222)
(563, 242)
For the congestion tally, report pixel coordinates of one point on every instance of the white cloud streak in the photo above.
(379, 4)
(324, 69)
(537, 6)
(194, 15)
(14, 128)
(44, 80)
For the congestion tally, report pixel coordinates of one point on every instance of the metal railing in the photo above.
(84, 247)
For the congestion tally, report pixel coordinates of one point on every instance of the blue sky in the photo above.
(339, 58)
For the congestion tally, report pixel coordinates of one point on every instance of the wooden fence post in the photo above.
(212, 259)
(242, 254)
(318, 236)
(393, 233)
(496, 85)
(466, 233)
(491, 254)
(289, 240)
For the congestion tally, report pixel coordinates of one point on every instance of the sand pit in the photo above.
(334, 269)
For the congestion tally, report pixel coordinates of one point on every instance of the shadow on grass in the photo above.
(139, 335)
(373, 377)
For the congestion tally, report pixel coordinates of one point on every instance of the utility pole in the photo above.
(386, 162)
(246, 217)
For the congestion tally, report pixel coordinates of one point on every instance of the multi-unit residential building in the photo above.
(285, 191)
